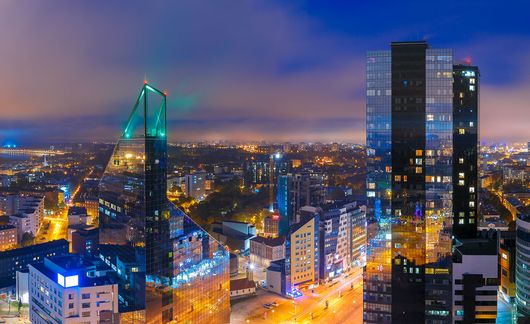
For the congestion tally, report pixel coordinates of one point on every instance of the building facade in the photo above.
(8, 237)
(465, 150)
(475, 281)
(18, 259)
(264, 250)
(302, 260)
(196, 185)
(507, 265)
(342, 238)
(295, 190)
(522, 266)
(409, 107)
(170, 268)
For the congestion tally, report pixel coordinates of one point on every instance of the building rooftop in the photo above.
(30, 250)
(243, 283)
(478, 246)
(277, 266)
(73, 270)
(125, 253)
(269, 241)
(76, 211)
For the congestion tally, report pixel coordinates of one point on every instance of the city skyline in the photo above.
(264, 161)
(267, 81)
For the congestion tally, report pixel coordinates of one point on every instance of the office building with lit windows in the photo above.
(169, 269)
(522, 266)
(409, 136)
(342, 238)
(465, 150)
(302, 258)
(72, 289)
(295, 190)
(475, 280)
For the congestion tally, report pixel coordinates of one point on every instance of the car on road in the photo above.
(267, 306)
(275, 304)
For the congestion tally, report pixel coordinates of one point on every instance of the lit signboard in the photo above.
(69, 281)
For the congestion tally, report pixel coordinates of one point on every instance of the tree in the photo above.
(27, 239)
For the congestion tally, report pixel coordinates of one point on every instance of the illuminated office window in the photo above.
(461, 131)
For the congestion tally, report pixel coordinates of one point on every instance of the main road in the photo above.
(344, 303)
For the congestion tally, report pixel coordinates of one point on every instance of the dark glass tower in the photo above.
(409, 148)
(465, 150)
(169, 269)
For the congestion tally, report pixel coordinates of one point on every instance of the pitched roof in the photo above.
(242, 283)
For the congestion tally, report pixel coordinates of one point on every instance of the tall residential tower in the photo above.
(465, 150)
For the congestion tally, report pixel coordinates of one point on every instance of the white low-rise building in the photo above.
(475, 281)
(71, 289)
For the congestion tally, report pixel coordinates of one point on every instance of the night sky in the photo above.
(237, 70)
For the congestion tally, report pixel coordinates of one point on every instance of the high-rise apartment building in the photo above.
(409, 107)
(342, 238)
(296, 190)
(302, 257)
(170, 269)
(465, 150)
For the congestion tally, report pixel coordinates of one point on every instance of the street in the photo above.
(344, 304)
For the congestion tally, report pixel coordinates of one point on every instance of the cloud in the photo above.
(234, 70)
(254, 60)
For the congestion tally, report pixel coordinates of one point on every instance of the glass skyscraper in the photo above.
(465, 150)
(409, 184)
(169, 268)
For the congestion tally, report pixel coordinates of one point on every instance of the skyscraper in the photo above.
(465, 150)
(296, 190)
(409, 184)
(169, 268)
